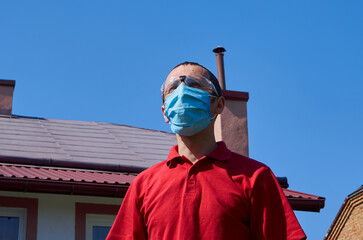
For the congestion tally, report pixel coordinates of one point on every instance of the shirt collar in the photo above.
(221, 153)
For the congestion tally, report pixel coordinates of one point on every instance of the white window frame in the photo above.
(21, 213)
(103, 220)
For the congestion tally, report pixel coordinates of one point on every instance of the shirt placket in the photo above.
(191, 203)
(191, 181)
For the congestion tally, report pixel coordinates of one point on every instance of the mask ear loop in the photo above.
(216, 115)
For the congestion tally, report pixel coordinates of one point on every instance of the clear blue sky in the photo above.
(300, 61)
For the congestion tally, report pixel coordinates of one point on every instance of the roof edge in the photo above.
(7, 82)
(91, 166)
(356, 192)
(71, 164)
(308, 205)
(72, 188)
(235, 95)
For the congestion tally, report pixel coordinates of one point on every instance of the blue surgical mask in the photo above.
(188, 110)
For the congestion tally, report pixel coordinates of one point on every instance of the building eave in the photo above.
(71, 164)
(63, 187)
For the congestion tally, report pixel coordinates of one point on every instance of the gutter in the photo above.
(310, 205)
(64, 187)
(71, 164)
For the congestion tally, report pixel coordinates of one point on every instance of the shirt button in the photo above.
(191, 181)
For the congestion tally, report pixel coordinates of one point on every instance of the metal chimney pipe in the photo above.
(220, 66)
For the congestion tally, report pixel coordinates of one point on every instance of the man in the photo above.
(202, 190)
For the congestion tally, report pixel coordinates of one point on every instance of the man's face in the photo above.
(185, 70)
(216, 104)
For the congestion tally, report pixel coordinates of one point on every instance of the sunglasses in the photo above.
(194, 81)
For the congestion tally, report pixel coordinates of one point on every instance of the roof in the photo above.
(303, 201)
(88, 158)
(80, 144)
(63, 181)
(65, 175)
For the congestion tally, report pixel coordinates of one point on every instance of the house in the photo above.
(348, 224)
(62, 179)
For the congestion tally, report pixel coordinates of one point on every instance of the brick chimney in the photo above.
(6, 96)
(231, 125)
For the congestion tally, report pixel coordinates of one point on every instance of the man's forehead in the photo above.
(188, 70)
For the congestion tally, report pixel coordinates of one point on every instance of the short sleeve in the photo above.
(271, 216)
(129, 223)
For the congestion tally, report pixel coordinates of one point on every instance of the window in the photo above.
(93, 221)
(98, 226)
(27, 211)
(13, 223)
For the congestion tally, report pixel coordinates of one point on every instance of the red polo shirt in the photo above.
(222, 196)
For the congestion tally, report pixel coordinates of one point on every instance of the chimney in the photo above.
(6, 96)
(220, 65)
(231, 125)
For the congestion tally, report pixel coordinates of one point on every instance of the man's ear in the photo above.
(163, 110)
(219, 105)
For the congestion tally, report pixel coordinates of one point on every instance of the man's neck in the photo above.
(196, 146)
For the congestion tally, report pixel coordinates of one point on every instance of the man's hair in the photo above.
(212, 78)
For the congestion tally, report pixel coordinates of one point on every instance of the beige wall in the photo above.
(56, 212)
(231, 125)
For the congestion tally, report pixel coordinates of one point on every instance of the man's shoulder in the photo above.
(233, 160)
(238, 158)
(248, 171)
(150, 172)
(245, 165)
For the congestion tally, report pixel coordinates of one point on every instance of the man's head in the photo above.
(189, 68)
(187, 107)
